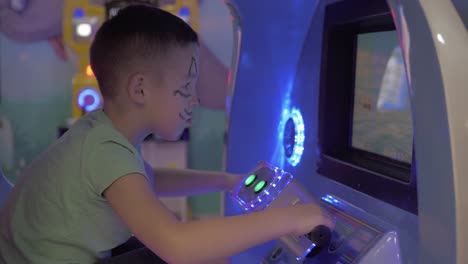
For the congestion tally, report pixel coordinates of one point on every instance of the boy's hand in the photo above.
(309, 216)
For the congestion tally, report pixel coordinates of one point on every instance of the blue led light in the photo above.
(312, 246)
(78, 13)
(260, 200)
(299, 137)
(331, 200)
(89, 92)
(184, 11)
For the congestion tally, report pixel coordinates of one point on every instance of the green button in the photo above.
(260, 185)
(250, 180)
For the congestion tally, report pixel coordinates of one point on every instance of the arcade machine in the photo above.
(359, 105)
(82, 19)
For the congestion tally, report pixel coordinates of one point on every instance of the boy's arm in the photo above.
(185, 182)
(203, 241)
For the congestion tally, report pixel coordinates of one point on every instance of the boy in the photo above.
(90, 191)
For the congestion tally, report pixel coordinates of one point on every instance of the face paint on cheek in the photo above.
(179, 92)
(193, 70)
(181, 116)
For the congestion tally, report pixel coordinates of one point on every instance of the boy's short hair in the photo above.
(136, 33)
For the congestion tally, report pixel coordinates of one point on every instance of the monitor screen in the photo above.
(365, 119)
(381, 122)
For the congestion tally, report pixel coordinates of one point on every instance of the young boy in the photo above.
(91, 190)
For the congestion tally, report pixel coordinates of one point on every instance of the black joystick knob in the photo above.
(320, 236)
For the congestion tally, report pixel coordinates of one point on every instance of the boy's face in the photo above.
(174, 95)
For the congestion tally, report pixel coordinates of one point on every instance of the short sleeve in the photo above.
(108, 161)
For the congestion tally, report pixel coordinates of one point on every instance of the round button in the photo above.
(250, 180)
(259, 187)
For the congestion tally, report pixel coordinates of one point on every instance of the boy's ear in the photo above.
(136, 88)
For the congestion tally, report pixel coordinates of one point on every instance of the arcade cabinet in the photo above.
(81, 20)
(363, 103)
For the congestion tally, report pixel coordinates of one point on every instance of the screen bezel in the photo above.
(381, 177)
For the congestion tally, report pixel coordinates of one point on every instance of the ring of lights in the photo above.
(82, 100)
(293, 136)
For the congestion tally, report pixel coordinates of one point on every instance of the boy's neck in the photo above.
(125, 124)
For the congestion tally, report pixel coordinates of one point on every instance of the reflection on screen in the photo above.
(382, 121)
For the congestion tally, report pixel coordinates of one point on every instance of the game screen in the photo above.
(382, 121)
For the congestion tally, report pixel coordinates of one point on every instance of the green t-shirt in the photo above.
(56, 213)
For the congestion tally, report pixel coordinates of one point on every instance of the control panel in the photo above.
(358, 237)
(269, 186)
(352, 241)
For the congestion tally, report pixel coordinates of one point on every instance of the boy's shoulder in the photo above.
(97, 129)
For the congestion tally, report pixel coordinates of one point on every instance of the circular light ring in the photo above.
(184, 11)
(84, 30)
(82, 99)
(294, 136)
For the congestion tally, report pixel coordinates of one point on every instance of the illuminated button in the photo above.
(250, 180)
(184, 11)
(184, 14)
(259, 187)
(78, 13)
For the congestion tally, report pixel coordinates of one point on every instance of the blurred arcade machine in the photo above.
(82, 19)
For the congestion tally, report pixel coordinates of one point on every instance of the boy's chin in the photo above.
(171, 137)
